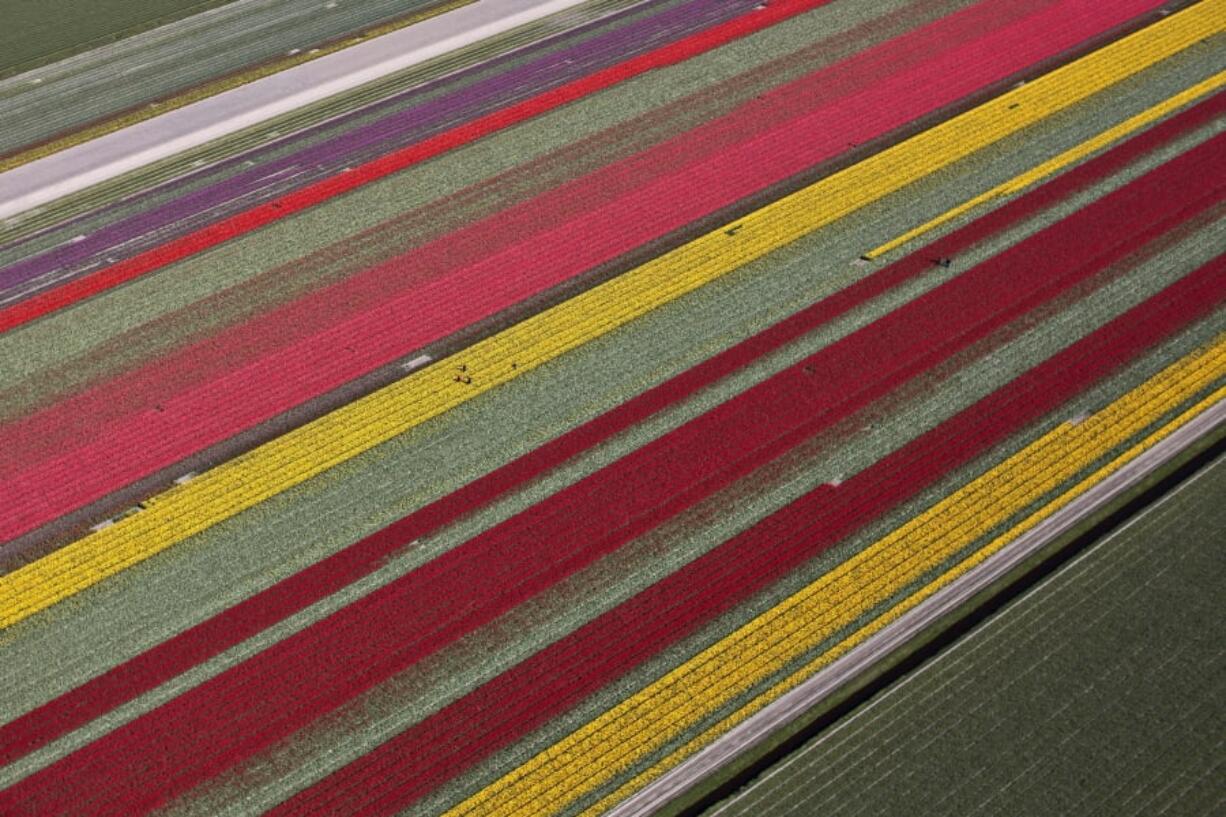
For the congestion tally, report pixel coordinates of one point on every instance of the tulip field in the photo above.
(496, 439)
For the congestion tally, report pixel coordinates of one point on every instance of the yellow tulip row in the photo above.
(297, 456)
(597, 753)
(1058, 163)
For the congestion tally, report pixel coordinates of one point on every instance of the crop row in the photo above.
(211, 637)
(312, 672)
(349, 431)
(558, 677)
(437, 290)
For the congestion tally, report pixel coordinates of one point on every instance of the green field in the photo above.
(36, 32)
(1099, 692)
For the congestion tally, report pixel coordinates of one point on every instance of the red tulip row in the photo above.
(267, 698)
(207, 392)
(251, 616)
